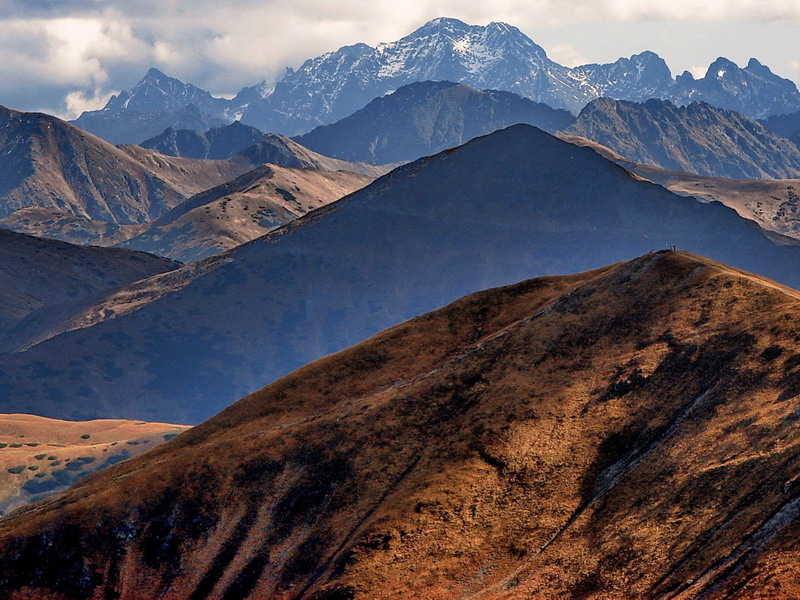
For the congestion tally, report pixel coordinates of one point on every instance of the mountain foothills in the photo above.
(60, 181)
(180, 346)
(497, 56)
(43, 282)
(242, 210)
(696, 138)
(40, 457)
(424, 118)
(627, 432)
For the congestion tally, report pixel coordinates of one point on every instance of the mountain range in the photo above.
(517, 203)
(497, 56)
(218, 143)
(424, 118)
(630, 432)
(697, 138)
(772, 203)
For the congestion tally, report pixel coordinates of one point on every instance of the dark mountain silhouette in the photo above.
(424, 118)
(218, 143)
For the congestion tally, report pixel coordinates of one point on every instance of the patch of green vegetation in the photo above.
(114, 443)
(33, 468)
(40, 475)
(40, 456)
(52, 457)
(55, 463)
(32, 444)
(2, 445)
(85, 436)
(132, 443)
(16, 470)
(15, 445)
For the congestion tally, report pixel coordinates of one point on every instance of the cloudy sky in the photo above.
(65, 56)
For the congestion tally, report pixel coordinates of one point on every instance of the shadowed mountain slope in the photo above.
(43, 281)
(629, 432)
(218, 143)
(697, 138)
(772, 203)
(513, 204)
(241, 210)
(421, 119)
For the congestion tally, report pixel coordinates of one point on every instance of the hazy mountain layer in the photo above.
(697, 138)
(625, 433)
(772, 203)
(218, 143)
(421, 119)
(44, 281)
(516, 203)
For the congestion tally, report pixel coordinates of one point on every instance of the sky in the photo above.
(67, 56)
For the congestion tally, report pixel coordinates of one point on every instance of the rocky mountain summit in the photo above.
(497, 56)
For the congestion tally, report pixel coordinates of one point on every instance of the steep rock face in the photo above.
(697, 138)
(512, 204)
(421, 119)
(624, 433)
(218, 143)
(241, 210)
(753, 90)
(497, 56)
(43, 281)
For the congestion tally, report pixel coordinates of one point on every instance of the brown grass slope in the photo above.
(40, 457)
(629, 432)
(242, 210)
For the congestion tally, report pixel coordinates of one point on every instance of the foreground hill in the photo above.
(241, 210)
(40, 457)
(424, 118)
(630, 432)
(697, 138)
(179, 347)
(45, 281)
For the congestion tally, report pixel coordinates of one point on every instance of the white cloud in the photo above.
(79, 101)
(566, 55)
